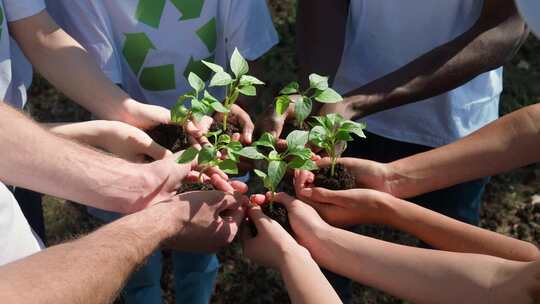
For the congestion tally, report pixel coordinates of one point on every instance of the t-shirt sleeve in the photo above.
(20, 9)
(249, 28)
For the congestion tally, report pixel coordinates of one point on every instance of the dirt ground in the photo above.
(511, 201)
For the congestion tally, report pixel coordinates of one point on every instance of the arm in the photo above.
(41, 161)
(417, 275)
(94, 268)
(115, 137)
(68, 66)
(500, 30)
(274, 247)
(361, 206)
(510, 142)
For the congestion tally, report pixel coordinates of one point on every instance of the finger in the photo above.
(193, 131)
(236, 137)
(281, 145)
(216, 170)
(221, 184)
(239, 186)
(257, 199)
(302, 179)
(322, 195)
(246, 123)
(155, 150)
(258, 218)
(285, 199)
(231, 202)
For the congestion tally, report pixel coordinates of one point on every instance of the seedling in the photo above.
(181, 113)
(208, 156)
(296, 156)
(331, 133)
(318, 90)
(240, 84)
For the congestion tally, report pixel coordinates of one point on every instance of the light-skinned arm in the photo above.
(274, 247)
(94, 268)
(69, 67)
(488, 44)
(39, 160)
(363, 206)
(510, 142)
(414, 274)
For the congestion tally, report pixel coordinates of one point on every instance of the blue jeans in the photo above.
(194, 275)
(461, 202)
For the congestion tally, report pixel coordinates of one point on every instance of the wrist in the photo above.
(293, 255)
(397, 182)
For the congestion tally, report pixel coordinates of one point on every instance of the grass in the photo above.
(507, 202)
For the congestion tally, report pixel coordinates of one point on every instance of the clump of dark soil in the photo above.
(342, 179)
(233, 126)
(188, 187)
(171, 137)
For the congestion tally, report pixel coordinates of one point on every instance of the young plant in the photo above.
(296, 156)
(181, 113)
(240, 84)
(331, 133)
(318, 90)
(208, 156)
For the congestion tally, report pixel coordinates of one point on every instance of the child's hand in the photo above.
(272, 244)
(244, 121)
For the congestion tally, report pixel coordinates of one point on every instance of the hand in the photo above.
(141, 115)
(125, 141)
(270, 121)
(203, 221)
(306, 223)
(346, 207)
(197, 130)
(350, 108)
(367, 174)
(272, 243)
(244, 122)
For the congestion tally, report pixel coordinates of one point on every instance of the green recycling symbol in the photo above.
(138, 45)
(1, 20)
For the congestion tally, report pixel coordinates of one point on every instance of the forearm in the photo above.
(510, 142)
(38, 160)
(88, 270)
(491, 42)
(420, 275)
(447, 234)
(56, 55)
(304, 280)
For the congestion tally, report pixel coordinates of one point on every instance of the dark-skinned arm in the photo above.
(493, 40)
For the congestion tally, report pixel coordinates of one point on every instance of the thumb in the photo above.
(258, 218)
(321, 195)
(155, 150)
(285, 199)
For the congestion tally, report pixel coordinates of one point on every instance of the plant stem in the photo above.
(225, 115)
(333, 167)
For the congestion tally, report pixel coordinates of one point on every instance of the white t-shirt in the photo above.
(17, 239)
(15, 71)
(383, 36)
(149, 49)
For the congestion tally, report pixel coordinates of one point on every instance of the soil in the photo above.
(171, 137)
(233, 126)
(342, 179)
(188, 187)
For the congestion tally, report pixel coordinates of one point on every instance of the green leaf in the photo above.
(343, 135)
(303, 153)
(291, 88)
(260, 173)
(219, 107)
(200, 108)
(209, 97)
(250, 80)
(235, 146)
(266, 140)
(318, 82)
(187, 156)
(248, 90)
(251, 153)
(276, 171)
(274, 155)
(303, 164)
(228, 166)
(317, 136)
(214, 67)
(224, 139)
(239, 65)
(179, 113)
(195, 82)
(333, 120)
(297, 138)
(207, 154)
(354, 127)
(302, 109)
(282, 104)
(328, 96)
(221, 79)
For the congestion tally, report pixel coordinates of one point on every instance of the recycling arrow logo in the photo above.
(138, 45)
(1, 20)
